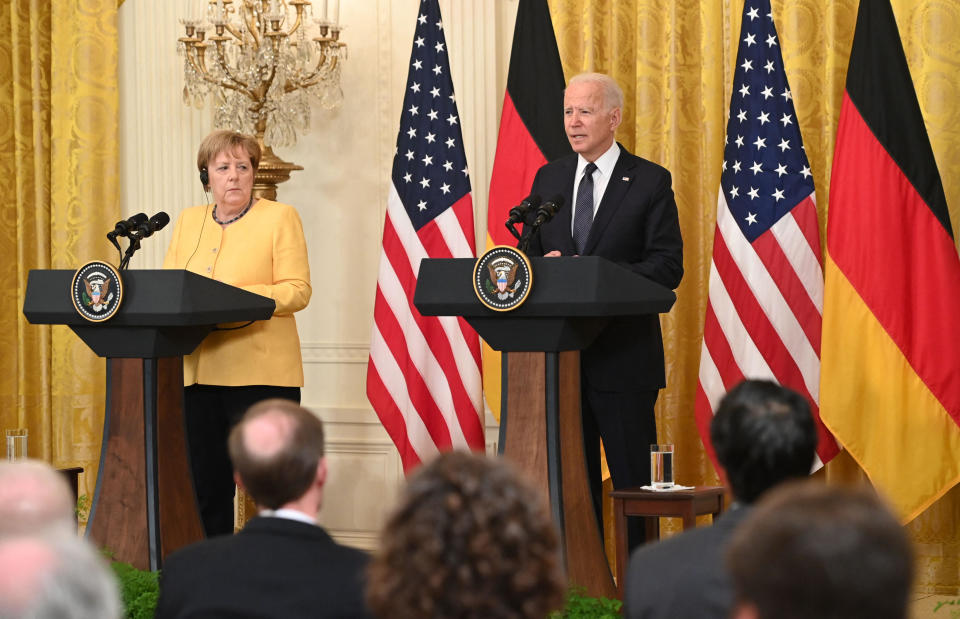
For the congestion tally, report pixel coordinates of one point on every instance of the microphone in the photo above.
(519, 212)
(547, 210)
(125, 227)
(154, 224)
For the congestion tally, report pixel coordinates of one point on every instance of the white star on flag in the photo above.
(423, 374)
(765, 300)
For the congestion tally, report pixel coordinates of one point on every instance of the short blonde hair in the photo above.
(612, 93)
(225, 140)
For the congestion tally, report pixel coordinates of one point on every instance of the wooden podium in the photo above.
(571, 302)
(144, 506)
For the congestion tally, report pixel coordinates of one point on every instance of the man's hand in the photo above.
(552, 254)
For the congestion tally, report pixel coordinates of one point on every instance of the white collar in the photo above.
(289, 514)
(604, 162)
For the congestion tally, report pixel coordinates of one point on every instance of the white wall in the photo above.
(341, 196)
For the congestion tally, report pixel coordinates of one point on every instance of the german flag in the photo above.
(531, 134)
(890, 378)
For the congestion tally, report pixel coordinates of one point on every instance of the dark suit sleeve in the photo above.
(662, 256)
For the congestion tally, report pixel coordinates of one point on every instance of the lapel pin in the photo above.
(625, 178)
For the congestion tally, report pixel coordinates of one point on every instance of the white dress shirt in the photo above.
(601, 177)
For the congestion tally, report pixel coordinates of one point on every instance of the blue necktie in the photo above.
(583, 216)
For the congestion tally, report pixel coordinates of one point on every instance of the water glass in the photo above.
(17, 444)
(661, 466)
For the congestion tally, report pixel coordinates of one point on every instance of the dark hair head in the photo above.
(470, 539)
(283, 473)
(225, 140)
(812, 550)
(763, 434)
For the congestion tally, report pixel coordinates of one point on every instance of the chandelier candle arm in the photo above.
(258, 88)
(316, 76)
(230, 80)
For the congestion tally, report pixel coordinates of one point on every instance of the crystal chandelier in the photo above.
(262, 61)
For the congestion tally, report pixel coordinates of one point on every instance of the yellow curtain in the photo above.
(674, 60)
(59, 179)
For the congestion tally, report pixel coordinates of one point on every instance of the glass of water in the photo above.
(17, 444)
(661, 466)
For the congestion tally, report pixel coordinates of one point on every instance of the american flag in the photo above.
(423, 377)
(766, 277)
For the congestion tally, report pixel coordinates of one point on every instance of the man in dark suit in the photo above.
(282, 564)
(763, 435)
(621, 207)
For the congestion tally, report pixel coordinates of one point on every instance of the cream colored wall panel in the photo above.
(341, 385)
(362, 483)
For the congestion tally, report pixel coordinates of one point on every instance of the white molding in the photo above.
(334, 352)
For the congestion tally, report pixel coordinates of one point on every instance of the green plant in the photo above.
(139, 590)
(82, 510)
(579, 605)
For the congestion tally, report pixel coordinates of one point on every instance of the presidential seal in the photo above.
(502, 278)
(96, 291)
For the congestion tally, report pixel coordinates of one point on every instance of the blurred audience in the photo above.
(55, 576)
(811, 550)
(34, 497)
(470, 539)
(282, 564)
(763, 435)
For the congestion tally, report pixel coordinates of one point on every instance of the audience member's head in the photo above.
(33, 498)
(470, 539)
(277, 454)
(811, 550)
(55, 576)
(763, 434)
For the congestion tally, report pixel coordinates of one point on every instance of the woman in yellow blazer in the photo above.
(256, 245)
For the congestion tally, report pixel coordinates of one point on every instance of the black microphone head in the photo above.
(548, 209)
(518, 212)
(160, 220)
(155, 223)
(551, 206)
(124, 227)
(531, 201)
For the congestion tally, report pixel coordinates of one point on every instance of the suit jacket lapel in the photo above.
(564, 215)
(620, 180)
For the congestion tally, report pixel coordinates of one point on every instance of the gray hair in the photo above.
(34, 497)
(612, 93)
(67, 579)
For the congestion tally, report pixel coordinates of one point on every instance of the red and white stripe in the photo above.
(764, 313)
(423, 377)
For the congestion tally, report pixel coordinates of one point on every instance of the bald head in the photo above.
(55, 575)
(266, 435)
(276, 451)
(34, 497)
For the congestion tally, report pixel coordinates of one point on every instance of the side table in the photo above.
(651, 506)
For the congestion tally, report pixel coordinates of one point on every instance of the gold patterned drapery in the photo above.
(59, 182)
(674, 60)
